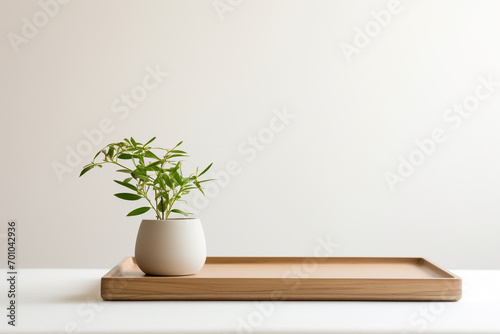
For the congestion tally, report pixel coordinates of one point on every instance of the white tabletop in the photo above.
(68, 300)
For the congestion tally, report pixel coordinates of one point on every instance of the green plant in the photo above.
(148, 174)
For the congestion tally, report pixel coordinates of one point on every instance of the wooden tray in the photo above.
(289, 278)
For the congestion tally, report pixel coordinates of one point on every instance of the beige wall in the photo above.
(333, 110)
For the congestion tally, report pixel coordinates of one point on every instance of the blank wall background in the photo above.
(317, 174)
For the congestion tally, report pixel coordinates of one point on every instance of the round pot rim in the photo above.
(170, 219)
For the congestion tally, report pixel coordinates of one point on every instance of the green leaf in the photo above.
(128, 171)
(125, 184)
(177, 155)
(178, 151)
(206, 169)
(150, 141)
(128, 196)
(156, 169)
(197, 184)
(125, 156)
(168, 182)
(140, 174)
(162, 205)
(139, 211)
(151, 155)
(86, 169)
(156, 163)
(111, 151)
(133, 141)
(179, 144)
(97, 154)
(181, 212)
(177, 178)
(127, 180)
(206, 180)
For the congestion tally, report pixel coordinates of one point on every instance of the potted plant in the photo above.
(164, 246)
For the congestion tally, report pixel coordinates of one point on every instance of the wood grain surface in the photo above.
(289, 278)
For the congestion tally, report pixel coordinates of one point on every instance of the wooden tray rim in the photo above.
(254, 259)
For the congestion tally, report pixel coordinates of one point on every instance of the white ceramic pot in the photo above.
(170, 247)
